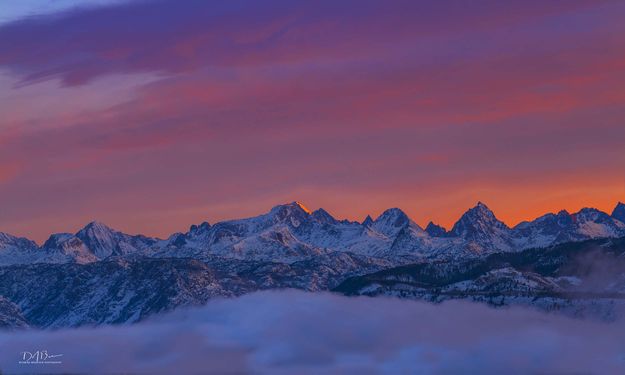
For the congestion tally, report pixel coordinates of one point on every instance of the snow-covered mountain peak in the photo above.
(323, 216)
(592, 222)
(481, 210)
(10, 241)
(103, 241)
(66, 247)
(96, 226)
(5, 237)
(293, 213)
(57, 238)
(95, 230)
(290, 232)
(435, 230)
(479, 218)
(619, 212)
(99, 238)
(293, 206)
(589, 214)
(367, 222)
(393, 216)
(391, 221)
(195, 229)
(481, 229)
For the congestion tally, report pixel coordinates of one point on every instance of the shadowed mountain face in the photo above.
(10, 315)
(291, 232)
(619, 212)
(435, 230)
(122, 290)
(579, 278)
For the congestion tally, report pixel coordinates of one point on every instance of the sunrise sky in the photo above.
(153, 115)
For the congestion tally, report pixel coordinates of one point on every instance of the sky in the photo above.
(151, 115)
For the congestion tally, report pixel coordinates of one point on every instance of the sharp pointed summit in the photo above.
(9, 241)
(293, 214)
(295, 205)
(391, 221)
(619, 212)
(323, 216)
(104, 241)
(194, 229)
(435, 230)
(478, 218)
(99, 238)
(368, 221)
(482, 230)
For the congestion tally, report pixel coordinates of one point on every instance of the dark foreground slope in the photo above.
(581, 279)
(128, 290)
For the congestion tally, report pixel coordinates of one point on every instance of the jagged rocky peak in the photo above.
(293, 213)
(323, 216)
(562, 219)
(368, 221)
(392, 221)
(563, 214)
(619, 212)
(99, 238)
(179, 239)
(8, 240)
(435, 230)
(96, 231)
(194, 229)
(394, 217)
(57, 240)
(590, 214)
(477, 219)
(95, 228)
(69, 246)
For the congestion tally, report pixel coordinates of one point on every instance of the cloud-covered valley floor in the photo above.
(297, 332)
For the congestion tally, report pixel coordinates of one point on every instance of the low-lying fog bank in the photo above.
(296, 332)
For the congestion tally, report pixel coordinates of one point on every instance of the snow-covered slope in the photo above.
(435, 230)
(104, 241)
(562, 227)
(94, 242)
(65, 247)
(482, 232)
(16, 249)
(120, 290)
(10, 315)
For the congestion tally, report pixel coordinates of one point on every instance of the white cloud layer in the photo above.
(16, 9)
(292, 332)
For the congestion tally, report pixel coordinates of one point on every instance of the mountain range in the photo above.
(291, 232)
(571, 263)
